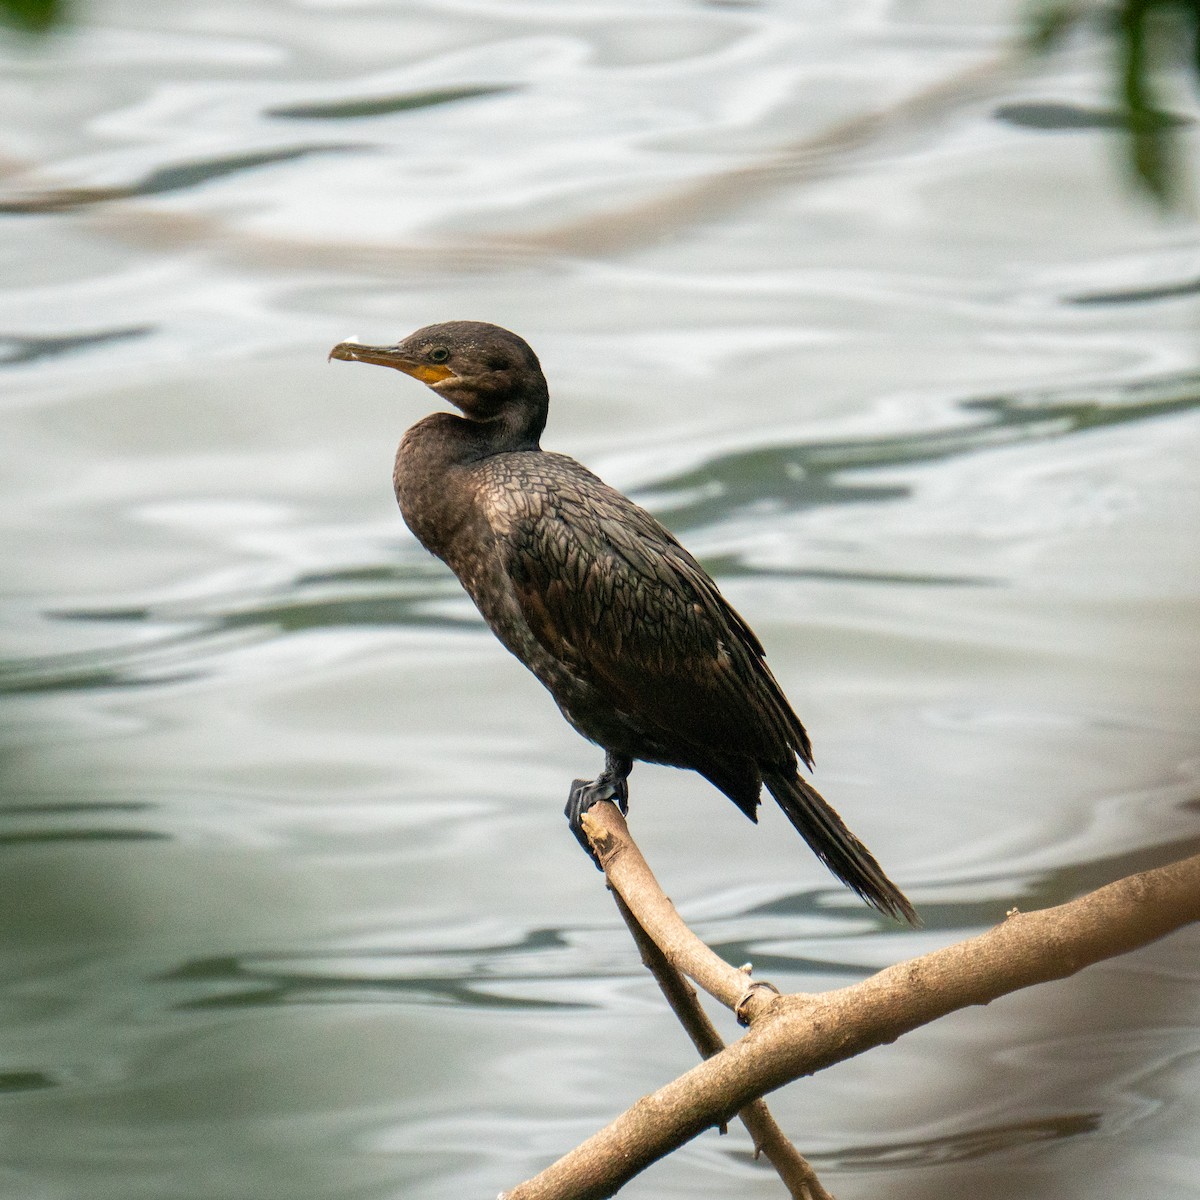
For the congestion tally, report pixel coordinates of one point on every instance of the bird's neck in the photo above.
(432, 477)
(518, 422)
(445, 439)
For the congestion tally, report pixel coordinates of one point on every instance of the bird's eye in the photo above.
(439, 354)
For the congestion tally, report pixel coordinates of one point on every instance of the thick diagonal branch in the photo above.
(797, 1035)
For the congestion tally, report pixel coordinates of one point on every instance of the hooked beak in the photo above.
(391, 356)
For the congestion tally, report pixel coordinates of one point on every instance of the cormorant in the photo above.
(631, 636)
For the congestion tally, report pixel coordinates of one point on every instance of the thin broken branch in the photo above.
(631, 878)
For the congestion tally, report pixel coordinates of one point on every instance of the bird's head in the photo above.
(487, 373)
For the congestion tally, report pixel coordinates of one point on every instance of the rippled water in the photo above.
(854, 299)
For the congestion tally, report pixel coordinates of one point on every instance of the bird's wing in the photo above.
(608, 591)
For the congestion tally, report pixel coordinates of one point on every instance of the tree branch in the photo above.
(797, 1034)
(631, 878)
(794, 1169)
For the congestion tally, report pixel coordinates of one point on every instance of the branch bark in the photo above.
(794, 1169)
(797, 1034)
(629, 875)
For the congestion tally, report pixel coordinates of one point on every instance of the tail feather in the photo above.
(836, 846)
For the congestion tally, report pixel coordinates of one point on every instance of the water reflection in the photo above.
(959, 917)
(378, 106)
(962, 1147)
(1052, 116)
(26, 1081)
(480, 976)
(1142, 295)
(174, 178)
(76, 821)
(23, 349)
(806, 475)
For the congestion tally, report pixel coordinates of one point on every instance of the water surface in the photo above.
(860, 308)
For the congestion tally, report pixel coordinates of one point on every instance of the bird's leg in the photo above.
(611, 784)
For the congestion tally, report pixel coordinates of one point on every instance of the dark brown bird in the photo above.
(642, 653)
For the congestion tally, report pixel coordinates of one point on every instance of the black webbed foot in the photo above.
(611, 784)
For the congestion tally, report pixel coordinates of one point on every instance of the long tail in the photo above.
(836, 846)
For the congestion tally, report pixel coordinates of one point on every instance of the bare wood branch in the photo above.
(794, 1169)
(631, 878)
(798, 1035)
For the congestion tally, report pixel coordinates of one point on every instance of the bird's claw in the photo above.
(585, 793)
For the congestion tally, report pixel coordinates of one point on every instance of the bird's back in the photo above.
(637, 632)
